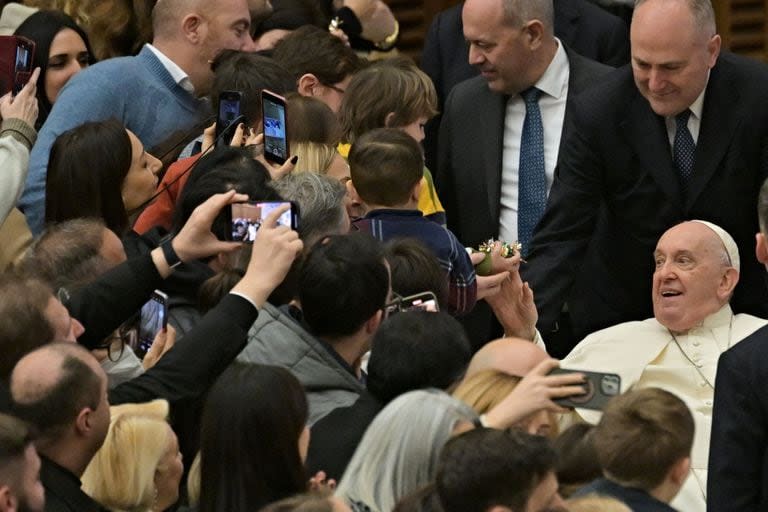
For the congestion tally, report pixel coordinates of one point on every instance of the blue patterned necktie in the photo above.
(532, 188)
(684, 148)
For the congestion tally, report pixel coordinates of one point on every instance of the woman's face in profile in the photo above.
(140, 183)
(67, 56)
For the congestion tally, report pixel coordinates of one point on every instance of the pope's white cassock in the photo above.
(646, 354)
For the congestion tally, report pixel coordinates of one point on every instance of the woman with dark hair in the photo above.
(61, 51)
(254, 439)
(99, 169)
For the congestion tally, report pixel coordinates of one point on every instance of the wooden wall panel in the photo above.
(743, 25)
(415, 17)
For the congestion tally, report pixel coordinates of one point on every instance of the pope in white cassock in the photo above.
(697, 268)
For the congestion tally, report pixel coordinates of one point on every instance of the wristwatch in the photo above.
(171, 257)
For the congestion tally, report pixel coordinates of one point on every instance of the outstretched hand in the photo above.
(514, 307)
(535, 392)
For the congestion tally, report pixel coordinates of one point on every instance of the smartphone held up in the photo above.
(275, 131)
(16, 55)
(245, 219)
(153, 319)
(228, 115)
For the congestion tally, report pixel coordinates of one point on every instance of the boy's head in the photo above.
(321, 64)
(391, 93)
(644, 440)
(386, 166)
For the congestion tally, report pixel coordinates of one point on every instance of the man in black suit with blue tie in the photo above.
(680, 134)
(500, 133)
(582, 26)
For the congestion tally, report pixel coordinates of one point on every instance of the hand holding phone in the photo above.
(425, 301)
(16, 54)
(272, 254)
(153, 319)
(229, 111)
(537, 391)
(598, 389)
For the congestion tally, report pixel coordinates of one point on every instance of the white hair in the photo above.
(399, 451)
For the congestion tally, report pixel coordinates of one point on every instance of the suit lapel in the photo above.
(492, 129)
(718, 126)
(646, 133)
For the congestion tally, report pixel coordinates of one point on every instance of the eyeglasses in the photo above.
(126, 334)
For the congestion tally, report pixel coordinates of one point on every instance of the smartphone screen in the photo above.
(246, 218)
(154, 317)
(23, 58)
(229, 110)
(275, 134)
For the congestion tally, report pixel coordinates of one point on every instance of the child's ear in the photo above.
(306, 84)
(388, 120)
(416, 191)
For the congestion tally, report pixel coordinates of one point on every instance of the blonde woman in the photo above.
(139, 467)
(320, 158)
(486, 389)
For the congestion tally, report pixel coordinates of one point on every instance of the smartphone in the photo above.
(153, 318)
(426, 301)
(599, 388)
(16, 54)
(229, 110)
(245, 219)
(275, 133)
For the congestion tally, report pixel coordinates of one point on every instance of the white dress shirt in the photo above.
(694, 122)
(178, 74)
(554, 87)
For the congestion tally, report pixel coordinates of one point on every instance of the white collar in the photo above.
(179, 75)
(720, 318)
(554, 81)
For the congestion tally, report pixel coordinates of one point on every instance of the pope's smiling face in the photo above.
(692, 278)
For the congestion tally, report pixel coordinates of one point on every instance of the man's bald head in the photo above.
(51, 385)
(167, 15)
(513, 356)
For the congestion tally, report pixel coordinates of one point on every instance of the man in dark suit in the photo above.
(738, 450)
(681, 134)
(481, 131)
(582, 26)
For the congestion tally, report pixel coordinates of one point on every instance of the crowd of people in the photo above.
(517, 277)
